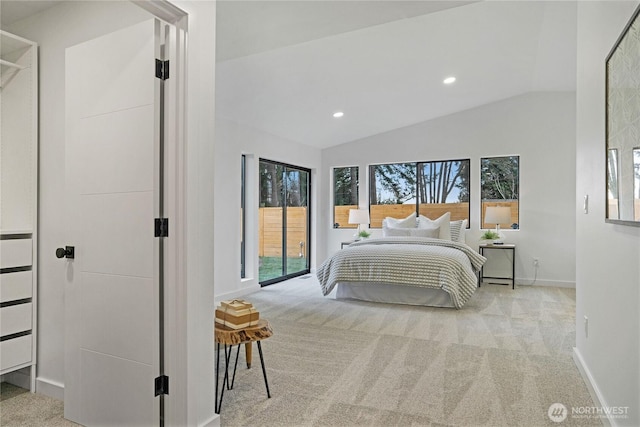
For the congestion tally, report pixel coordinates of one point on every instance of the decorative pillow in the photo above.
(411, 232)
(408, 222)
(458, 229)
(425, 232)
(442, 223)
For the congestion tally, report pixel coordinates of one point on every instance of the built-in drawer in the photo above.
(16, 285)
(16, 253)
(16, 351)
(15, 318)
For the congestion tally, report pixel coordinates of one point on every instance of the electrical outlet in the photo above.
(536, 262)
(586, 326)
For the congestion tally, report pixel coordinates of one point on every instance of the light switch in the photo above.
(585, 206)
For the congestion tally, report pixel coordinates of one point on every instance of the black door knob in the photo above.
(66, 252)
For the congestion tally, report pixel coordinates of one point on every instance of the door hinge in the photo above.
(162, 69)
(162, 227)
(162, 385)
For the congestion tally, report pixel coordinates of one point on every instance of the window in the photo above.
(427, 188)
(345, 195)
(243, 163)
(500, 186)
(444, 187)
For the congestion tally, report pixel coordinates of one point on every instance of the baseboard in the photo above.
(236, 294)
(547, 283)
(212, 422)
(596, 396)
(50, 388)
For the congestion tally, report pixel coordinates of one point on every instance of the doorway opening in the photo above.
(284, 222)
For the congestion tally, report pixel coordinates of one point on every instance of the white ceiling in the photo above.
(285, 67)
(14, 10)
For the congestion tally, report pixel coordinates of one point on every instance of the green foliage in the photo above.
(499, 178)
(345, 184)
(364, 234)
(490, 235)
(282, 186)
(430, 182)
(392, 184)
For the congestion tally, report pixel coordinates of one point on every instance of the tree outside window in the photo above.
(345, 195)
(500, 186)
(427, 188)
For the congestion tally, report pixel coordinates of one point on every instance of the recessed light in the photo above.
(449, 80)
(338, 114)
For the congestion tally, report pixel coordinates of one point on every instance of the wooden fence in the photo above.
(341, 216)
(430, 210)
(270, 235)
(513, 204)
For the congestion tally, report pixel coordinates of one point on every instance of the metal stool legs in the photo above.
(264, 371)
(225, 381)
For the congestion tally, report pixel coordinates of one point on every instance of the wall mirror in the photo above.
(623, 127)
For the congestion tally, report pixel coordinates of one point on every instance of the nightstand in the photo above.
(504, 247)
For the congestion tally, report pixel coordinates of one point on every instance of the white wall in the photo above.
(233, 140)
(539, 127)
(68, 24)
(607, 255)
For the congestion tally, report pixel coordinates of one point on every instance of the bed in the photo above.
(403, 269)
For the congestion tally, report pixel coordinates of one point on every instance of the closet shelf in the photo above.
(11, 64)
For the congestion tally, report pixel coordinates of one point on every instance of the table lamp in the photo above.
(358, 216)
(497, 215)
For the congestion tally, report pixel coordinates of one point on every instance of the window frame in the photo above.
(500, 202)
(335, 223)
(416, 189)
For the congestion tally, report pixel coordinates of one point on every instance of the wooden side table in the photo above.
(230, 337)
(505, 246)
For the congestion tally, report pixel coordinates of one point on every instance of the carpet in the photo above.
(502, 360)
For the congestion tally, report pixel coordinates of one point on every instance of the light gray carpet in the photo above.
(19, 408)
(500, 361)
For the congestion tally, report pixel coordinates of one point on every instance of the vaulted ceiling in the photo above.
(284, 67)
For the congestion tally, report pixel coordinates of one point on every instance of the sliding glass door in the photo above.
(284, 221)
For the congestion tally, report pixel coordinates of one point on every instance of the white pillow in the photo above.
(408, 222)
(442, 223)
(411, 232)
(425, 232)
(458, 230)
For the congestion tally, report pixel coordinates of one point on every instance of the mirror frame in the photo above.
(631, 30)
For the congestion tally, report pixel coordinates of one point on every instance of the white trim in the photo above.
(237, 293)
(594, 391)
(50, 388)
(165, 10)
(176, 315)
(212, 422)
(547, 283)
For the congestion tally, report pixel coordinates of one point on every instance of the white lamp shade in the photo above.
(358, 216)
(497, 215)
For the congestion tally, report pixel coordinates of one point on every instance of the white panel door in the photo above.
(111, 298)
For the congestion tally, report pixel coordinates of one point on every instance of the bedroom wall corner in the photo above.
(232, 141)
(531, 125)
(607, 255)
